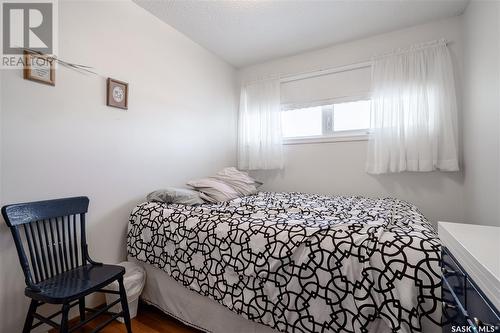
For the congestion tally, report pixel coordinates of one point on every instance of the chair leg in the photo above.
(64, 318)
(29, 317)
(124, 302)
(81, 307)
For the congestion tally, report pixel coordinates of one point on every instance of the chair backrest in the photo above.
(52, 232)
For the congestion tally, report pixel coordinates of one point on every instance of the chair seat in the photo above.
(75, 283)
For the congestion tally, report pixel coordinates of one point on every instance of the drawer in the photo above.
(454, 274)
(453, 312)
(457, 322)
(482, 314)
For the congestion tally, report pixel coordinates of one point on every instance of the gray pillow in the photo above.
(176, 195)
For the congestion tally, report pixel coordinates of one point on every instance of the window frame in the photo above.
(327, 124)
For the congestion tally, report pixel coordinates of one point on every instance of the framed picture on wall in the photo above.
(117, 94)
(39, 68)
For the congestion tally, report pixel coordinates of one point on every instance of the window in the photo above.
(327, 121)
(302, 122)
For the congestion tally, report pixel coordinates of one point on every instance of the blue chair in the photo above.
(52, 249)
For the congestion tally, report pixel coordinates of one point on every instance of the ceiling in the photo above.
(253, 31)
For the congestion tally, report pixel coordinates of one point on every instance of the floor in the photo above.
(148, 320)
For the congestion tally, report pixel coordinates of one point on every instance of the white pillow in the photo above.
(238, 180)
(213, 190)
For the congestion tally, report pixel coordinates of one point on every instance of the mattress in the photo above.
(299, 262)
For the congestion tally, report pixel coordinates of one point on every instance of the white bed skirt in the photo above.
(207, 315)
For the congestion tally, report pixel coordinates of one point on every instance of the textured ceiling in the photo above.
(249, 32)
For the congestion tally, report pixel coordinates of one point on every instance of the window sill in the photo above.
(325, 139)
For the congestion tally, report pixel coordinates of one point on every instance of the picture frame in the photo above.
(39, 68)
(117, 94)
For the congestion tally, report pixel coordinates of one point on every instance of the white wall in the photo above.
(482, 112)
(63, 141)
(338, 168)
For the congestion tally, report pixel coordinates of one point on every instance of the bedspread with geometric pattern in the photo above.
(299, 262)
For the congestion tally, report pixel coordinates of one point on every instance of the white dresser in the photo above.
(471, 277)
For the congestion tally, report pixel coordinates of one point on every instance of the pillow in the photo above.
(213, 190)
(240, 181)
(176, 195)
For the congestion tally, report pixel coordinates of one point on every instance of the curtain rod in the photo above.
(324, 71)
(358, 65)
(414, 47)
(311, 74)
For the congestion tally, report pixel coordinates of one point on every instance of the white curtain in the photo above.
(413, 111)
(259, 126)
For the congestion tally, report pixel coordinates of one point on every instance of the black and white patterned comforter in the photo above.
(299, 262)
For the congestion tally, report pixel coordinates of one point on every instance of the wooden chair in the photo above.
(58, 269)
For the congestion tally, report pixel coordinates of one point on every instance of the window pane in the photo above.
(351, 116)
(302, 122)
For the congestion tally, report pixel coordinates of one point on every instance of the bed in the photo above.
(290, 262)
